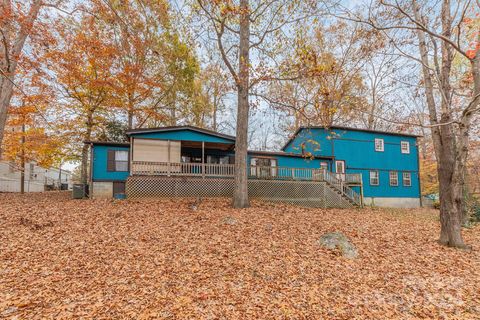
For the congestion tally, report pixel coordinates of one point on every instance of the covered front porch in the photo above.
(186, 158)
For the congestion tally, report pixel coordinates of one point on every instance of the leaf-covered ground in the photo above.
(63, 258)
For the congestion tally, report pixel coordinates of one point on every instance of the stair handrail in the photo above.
(338, 184)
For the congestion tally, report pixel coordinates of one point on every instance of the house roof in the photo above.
(348, 129)
(175, 128)
(108, 143)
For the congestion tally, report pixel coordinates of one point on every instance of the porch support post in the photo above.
(169, 159)
(203, 159)
(130, 157)
(361, 191)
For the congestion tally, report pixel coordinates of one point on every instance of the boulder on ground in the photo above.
(337, 240)
(230, 220)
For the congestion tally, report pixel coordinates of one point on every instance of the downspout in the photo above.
(130, 157)
(90, 189)
(418, 174)
(169, 159)
(203, 159)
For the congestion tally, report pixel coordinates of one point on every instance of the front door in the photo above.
(340, 169)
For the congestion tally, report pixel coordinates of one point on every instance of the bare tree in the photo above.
(439, 35)
(249, 35)
(216, 87)
(332, 88)
(379, 71)
(15, 27)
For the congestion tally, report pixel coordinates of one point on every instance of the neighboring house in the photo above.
(37, 179)
(190, 161)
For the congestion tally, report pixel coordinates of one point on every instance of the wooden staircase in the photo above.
(341, 188)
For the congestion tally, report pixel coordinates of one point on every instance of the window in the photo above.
(374, 178)
(405, 147)
(32, 171)
(379, 145)
(340, 169)
(117, 160)
(263, 167)
(407, 179)
(153, 150)
(121, 160)
(218, 159)
(394, 178)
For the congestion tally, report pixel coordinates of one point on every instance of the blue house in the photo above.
(388, 162)
(335, 167)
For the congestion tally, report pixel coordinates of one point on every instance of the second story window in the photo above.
(405, 147)
(393, 178)
(117, 160)
(379, 145)
(374, 178)
(407, 179)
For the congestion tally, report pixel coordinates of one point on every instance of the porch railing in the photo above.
(350, 178)
(254, 172)
(182, 169)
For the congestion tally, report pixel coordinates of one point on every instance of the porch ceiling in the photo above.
(209, 145)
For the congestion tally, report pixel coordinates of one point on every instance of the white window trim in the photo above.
(409, 174)
(381, 147)
(378, 177)
(254, 166)
(391, 180)
(121, 161)
(407, 144)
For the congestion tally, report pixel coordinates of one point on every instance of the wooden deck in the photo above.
(341, 183)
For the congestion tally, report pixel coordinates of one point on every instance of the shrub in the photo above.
(475, 212)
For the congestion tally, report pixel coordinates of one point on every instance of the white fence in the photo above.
(13, 185)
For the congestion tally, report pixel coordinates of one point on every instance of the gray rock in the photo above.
(9, 311)
(337, 240)
(230, 220)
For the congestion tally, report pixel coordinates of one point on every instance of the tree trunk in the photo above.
(10, 56)
(85, 148)
(240, 196)
(449, 176)
(451, 199)
(130, 119)
(173, 113)
(214, 113)
(130, 112)
(22, 159)
(5, 97)
(84, 164)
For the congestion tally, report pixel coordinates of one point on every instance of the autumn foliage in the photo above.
(155, 259)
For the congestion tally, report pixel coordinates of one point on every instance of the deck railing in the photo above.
(350, 178)
(340, 183)
(182, 169)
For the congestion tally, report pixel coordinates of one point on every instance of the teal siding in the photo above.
(99, 171)
(290, 161)
(357, 149)
(384, 190)
(182, 135)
